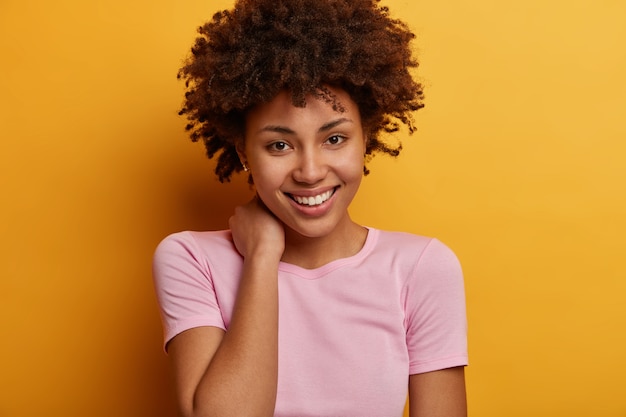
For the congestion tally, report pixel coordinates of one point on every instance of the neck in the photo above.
(313, 252)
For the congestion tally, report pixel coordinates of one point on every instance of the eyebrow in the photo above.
(331, 125)
(287, 131)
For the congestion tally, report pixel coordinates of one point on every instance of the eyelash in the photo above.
(340, 138)
(273, 147)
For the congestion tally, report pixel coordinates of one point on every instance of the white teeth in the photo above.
(313, 201)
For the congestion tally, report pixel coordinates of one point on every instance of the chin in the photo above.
(312, 231)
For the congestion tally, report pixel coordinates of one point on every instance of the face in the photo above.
(307, 163)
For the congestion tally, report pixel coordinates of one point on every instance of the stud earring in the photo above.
(245, 167)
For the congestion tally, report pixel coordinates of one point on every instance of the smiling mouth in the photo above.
(315, 200)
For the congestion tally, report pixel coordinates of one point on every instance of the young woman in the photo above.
(297, 310)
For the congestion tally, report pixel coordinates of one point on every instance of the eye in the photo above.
(278, 146)
(335, 139)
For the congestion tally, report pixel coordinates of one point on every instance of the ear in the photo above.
(366, 139)
(241, 153)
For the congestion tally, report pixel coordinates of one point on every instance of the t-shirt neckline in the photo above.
(370, 242)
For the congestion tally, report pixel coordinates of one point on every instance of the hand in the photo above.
(256, 231)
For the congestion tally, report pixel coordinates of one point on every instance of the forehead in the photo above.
(281, 110)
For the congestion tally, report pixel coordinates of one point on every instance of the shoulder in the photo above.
(413, 245)
(191, 247)
(395, 239)
(195, 259)
(192, 242)
(420, 260)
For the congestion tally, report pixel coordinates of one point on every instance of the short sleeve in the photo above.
(436, 320)
(184, 286)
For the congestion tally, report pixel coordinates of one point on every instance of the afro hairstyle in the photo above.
(247, 55)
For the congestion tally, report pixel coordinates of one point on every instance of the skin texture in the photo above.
(438, 394)
(306, 151)
(291, 151)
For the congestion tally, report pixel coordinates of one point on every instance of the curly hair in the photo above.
(246, 56)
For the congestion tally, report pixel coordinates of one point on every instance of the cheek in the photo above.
(353, 166)
(267, 182)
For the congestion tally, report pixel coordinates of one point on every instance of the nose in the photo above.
(311, 167)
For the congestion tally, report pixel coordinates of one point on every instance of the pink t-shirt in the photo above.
(350, 332)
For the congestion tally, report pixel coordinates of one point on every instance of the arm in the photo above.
(234, 373)
(437, 336)
(438, 394)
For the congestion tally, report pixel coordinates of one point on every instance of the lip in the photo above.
(310, 193)
(317, 210)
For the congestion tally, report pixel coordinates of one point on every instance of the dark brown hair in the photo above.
(246, 56)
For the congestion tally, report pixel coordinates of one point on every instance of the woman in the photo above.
(297, 310)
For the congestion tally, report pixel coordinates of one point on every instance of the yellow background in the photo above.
(518, 165)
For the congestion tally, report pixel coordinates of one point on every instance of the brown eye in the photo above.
(335, 140)
(278, 146)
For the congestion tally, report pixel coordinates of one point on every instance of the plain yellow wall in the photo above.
(518, 165)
